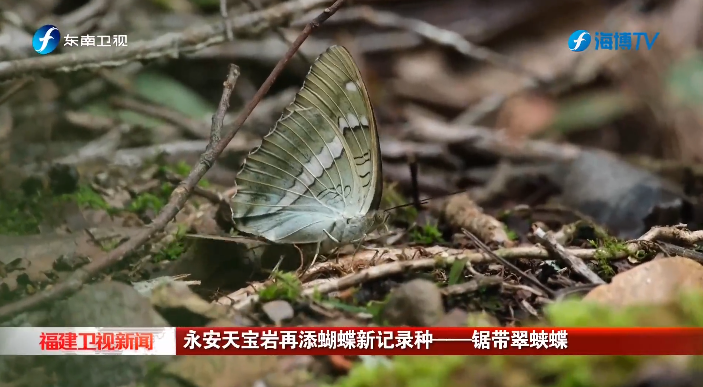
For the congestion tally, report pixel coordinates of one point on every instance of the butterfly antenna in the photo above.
(423, 201)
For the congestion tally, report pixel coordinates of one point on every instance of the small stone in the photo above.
(415, 303)
(278, 311)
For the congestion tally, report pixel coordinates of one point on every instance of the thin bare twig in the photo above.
(674, 233)
(509, 264)
(225, 20)
(182, 192)
(212, 196)
(254, 7)
(172, 44)
(571, 261)
(670, 249)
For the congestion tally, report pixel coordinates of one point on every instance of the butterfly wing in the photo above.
(319, 165)
(336, 74)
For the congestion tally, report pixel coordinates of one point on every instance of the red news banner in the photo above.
(439, 341)
(349, 341)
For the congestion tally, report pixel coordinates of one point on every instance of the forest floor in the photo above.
(530, 186)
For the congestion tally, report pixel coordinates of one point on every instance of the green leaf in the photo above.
(166, 91)
(456, 271)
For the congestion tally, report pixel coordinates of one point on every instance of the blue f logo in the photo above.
(579, 40)
(46, 39)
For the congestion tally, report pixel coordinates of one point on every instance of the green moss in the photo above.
(21, 214)
(512, 235)
(182, 168)
(109, 245)
(426, 235)
(608, 249)
(146, 201)
(410, 371)
(86, 197)
(285, 286)
(171, 252)
(175, 249)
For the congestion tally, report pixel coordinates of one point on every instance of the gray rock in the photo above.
(106, 304)
(415, 303)
(618, 195)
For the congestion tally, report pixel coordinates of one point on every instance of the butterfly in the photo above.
(316, 177)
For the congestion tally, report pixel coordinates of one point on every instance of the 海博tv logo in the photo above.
(580, 40)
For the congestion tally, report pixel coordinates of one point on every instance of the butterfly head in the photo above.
(358, 226)
(376, 219)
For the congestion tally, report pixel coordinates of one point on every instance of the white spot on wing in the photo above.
(364, 121)
(336, 148)
(352, 120)
(350, 86)
(312, 170)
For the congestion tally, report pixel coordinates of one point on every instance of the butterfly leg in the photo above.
(335, 241)
(317, 252)
(331, 237)
(361, 244)
(358, 246)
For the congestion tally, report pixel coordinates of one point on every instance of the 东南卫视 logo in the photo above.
(46, 39)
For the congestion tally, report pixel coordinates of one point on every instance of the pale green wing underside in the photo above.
(320, 163)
